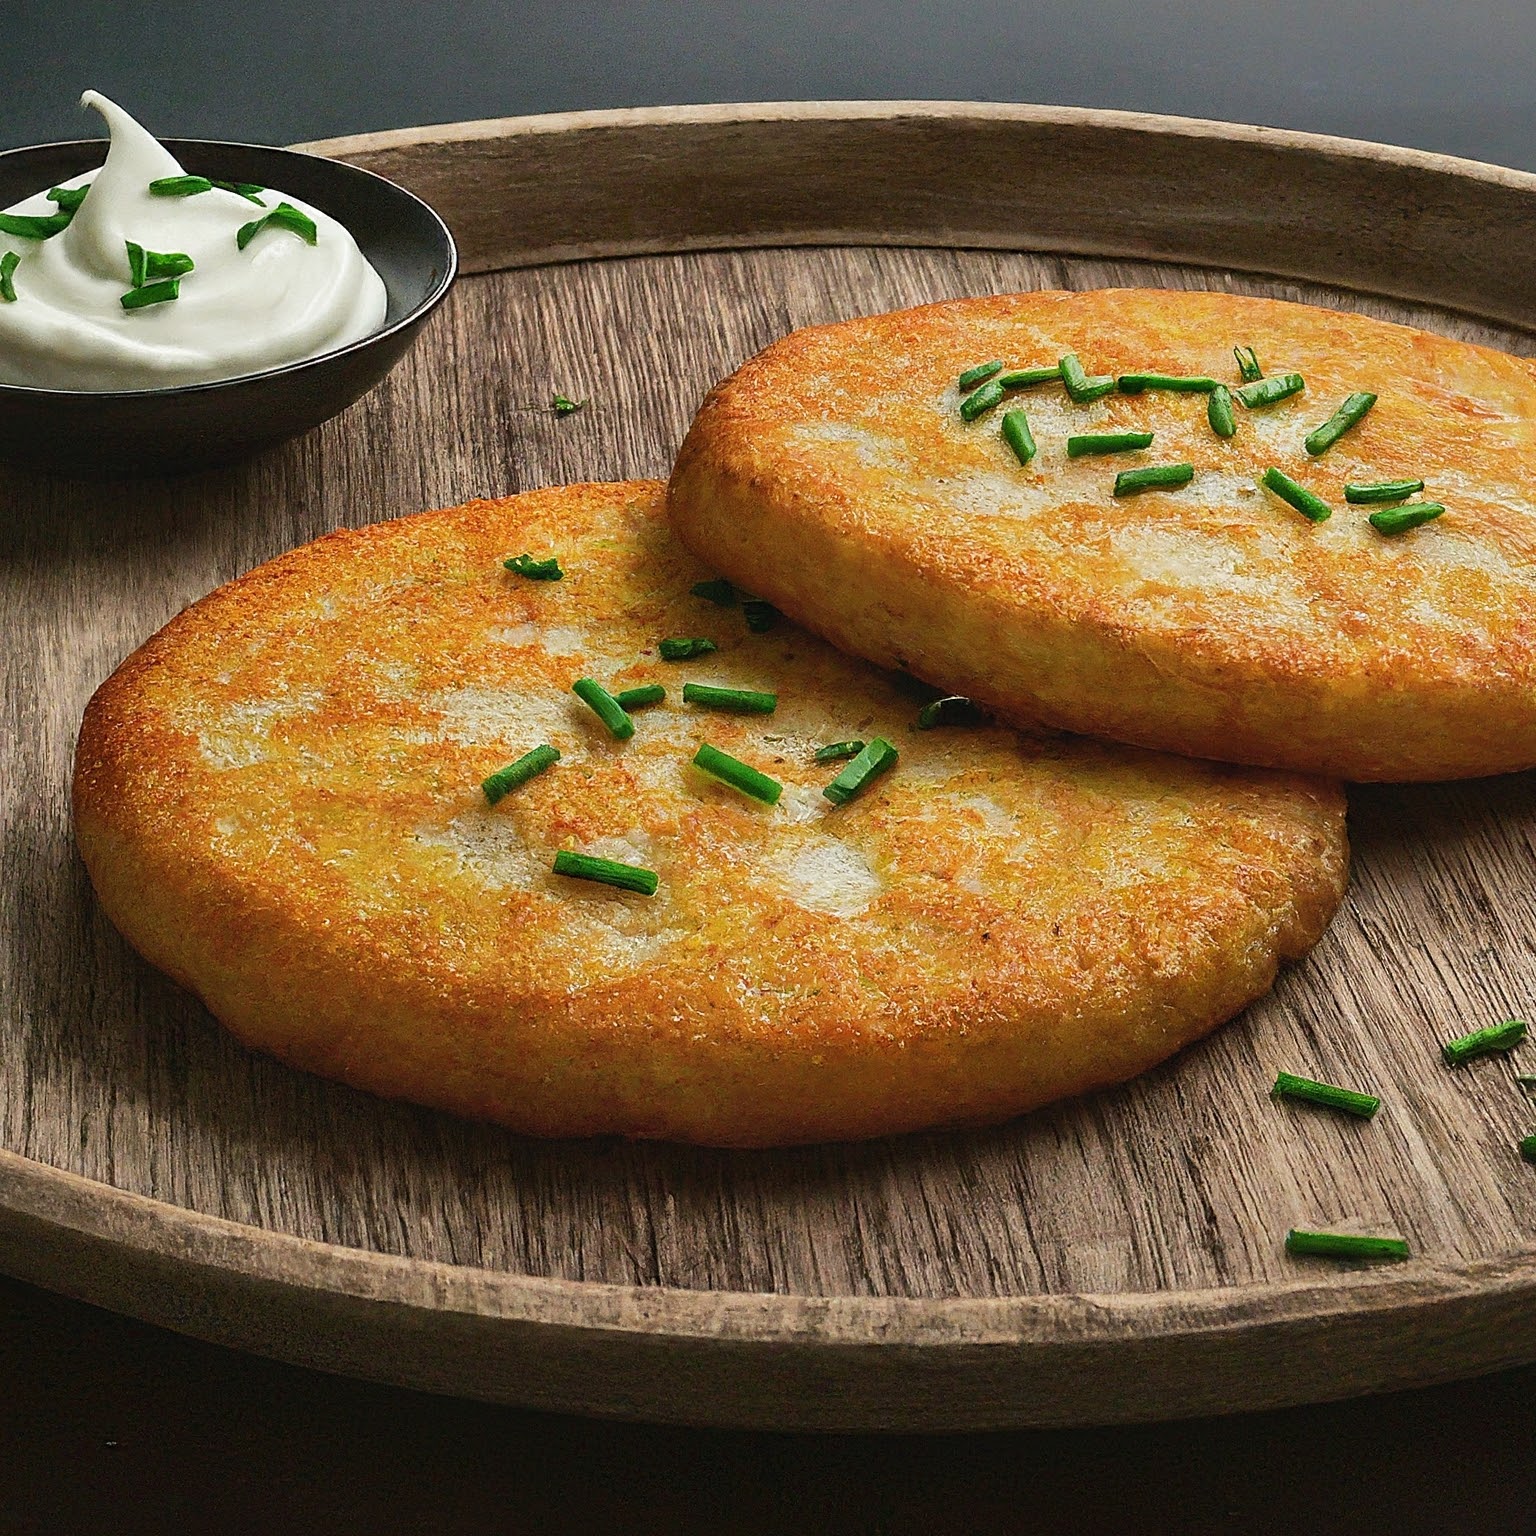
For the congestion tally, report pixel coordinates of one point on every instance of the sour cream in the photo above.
(279, 300)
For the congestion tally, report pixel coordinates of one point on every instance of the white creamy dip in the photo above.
(278, 300)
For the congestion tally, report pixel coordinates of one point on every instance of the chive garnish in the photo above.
(152, 293)
(1082, 388)
(1156, 477)
(640, 697)
(563, 405)
(1345, 1245)
(1264, 392)
(627, 877)
(1382, 490)
(835, 751)
(535, 570)
(284, 216)
(1391, 520)
(1023, 378)
(1106, 442)
(144, 266)
(1311, 507)
(952, 709)
(739, 775)
(135, 263)
(1481, 1042)
(180, 186)
(871, 762)
(737, 701)
(1017, 435)
(34, 226)
(1528, 1148)
(1218, 411)
(68, 198)
(1289, 1086)
(761, 615)
(979, 401)
(1188, 384)
(246, 189)
(1249, 369)
(685, 647)
(978, 374)
(1348, 415)
(719, 592)
(505, 780)
(8, 264)
(605, 707)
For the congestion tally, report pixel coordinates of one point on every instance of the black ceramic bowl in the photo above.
(194, 426)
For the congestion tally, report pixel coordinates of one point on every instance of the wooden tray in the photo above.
(1111, 1259)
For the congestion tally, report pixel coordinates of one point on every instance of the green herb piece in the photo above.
(1186, 384)
(284, 216)
(605, 707)
(627, 877)
(1264, 392)
(1526, 1079)
(246, 189)
(1218, 411)
(563, 405)
(180, 186)
(1082, 388)
(1311, 507)
(8, 264)
(144, 266)
(737, 701)
(68, 198)
(152, 293)
(1289, 1086)
(979, 401)
(1106, 442)
(835, 751)
(505, 780)
(761, 616)
(1352, 412)
(135, 263)
(641, 697)
(1383, 490)
(1023, 378)
(535, 570)
(952, 709)
(1248, 367)
(872, 760)
(719, 592)
(1528, 1148)
(685, 647)
(1156, 477)
(739, 775)
(1481, 1042)
(978, 374)
(34, 226)
(1017, 435)
(1345, 1245)
(1393, 520)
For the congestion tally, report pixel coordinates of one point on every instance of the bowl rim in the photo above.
(413, 316)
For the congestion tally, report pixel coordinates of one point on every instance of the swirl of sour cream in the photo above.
(279, 300)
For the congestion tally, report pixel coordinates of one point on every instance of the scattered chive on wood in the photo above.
(640, 697)
(1289, 1086)
(1187, 384)
(1482, 1042)
(68, 198)
(739, 775)
(1348, 415)
(563, 405)
(34, 226)
(761, 615)
(8, 264)
(605, 707)
(505, 780)
(1526, 1079)
(952, 709)
(246, 189)
(978, 374)
(872, 760)
(835, 751)
(1382, 490)
(1106, 442)
(1394, 520)
(1344, 1245)
(736, 701)
(152, 293)
(1081, 386)
(1264, 392)
(180, 186)
(981, 400)
(1154, 478)
(685, 647)
(1249, 369)
(627, 877)
(1218, 411)
(1528, 1148)
(1017, 435)
(1023, 378)
(284, 216)
(535, 570)
(1311, 507)
(719, 592)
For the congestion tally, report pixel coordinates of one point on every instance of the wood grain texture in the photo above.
(1117, 1257)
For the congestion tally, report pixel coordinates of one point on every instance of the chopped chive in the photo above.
(641, 697)
(1023, 378)
(1390, 520)
(719, 592)
(739, 775)
(605, 707)
(8, 264)
(1082, 388)
(761, 616)
(1345, 1245)
(737, 701)
(685, 647)
(1188, 384)
(1249, 369)
(1218, 411)
(535, 570)
(145, 266)
(1264, 392)
(627, 877)
(952, 709)
(68, 198)
(34, 226)
(1481, 1042)
(1017, 435)
(1311, 507)
(1289, 1086)
(1382, 490)
(284, 216)
(135, 263)
(835, 751)
(152, 293)
(505, 780)
(1348, 415)
(1156, 477)
(180, 186)
(979, 401)
(871, 762)
(1528, 1148)
(1106, 442)
(246, 189)
(978, 374)
(563, 405)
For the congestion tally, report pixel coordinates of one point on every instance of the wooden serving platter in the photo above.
(1110, 1259)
